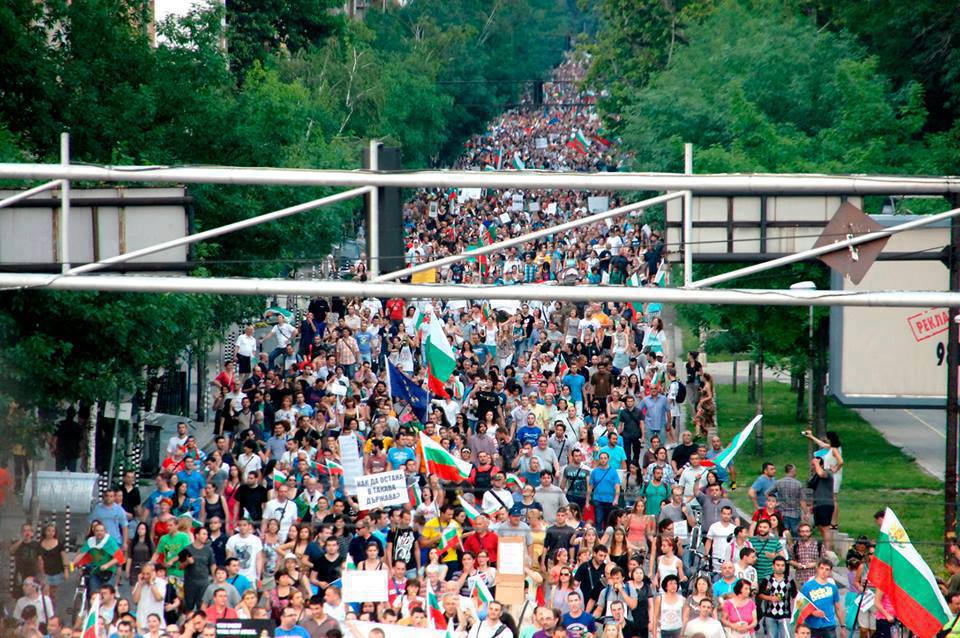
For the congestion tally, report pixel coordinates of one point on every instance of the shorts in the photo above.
(822, 515)
(867, 619)
(54, 580)
(243, 364)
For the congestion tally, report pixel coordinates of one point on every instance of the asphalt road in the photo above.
(920, 432)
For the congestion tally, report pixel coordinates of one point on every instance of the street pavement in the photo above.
(921, 433)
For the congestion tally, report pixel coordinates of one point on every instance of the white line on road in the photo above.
(935, 430)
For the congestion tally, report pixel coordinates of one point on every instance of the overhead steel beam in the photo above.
(220, 230)
(803, 255)
(543, 232)
(767, 184)
(18, 197)
(269, 287)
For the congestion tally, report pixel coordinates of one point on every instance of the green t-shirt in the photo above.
(655, 495)
(169, 548)
(763, 545)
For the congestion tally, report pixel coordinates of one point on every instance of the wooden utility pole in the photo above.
(953, 417)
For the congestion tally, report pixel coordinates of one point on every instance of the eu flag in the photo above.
(401, 387)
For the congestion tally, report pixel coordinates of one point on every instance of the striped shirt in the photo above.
(764, 544)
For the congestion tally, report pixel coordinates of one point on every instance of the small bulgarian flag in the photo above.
(562, 369)
(725, 458)
(99, 552)
(415, 495)
(91, 620)
(518, 163)
(441, 463)
(661, 277)
(633, 281)
(513, 479)
(449, 538)
(480, 592)
(334, 467)
(437, 619)
(601, 138)
(350, 566)
(581, 139)
(802, 608)
(471, 512)
(488, 234)
(278, 476)
(486, 311)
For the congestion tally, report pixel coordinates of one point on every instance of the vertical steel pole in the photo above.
(688, 218)
(64, 238)
(953, 416)
(373, 214)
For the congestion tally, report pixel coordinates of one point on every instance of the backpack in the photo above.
(681, 392)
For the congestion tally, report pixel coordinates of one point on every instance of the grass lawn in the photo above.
(876, 474)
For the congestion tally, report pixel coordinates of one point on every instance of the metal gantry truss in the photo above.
(365, 182)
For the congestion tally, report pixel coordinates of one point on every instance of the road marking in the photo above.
(930, 427)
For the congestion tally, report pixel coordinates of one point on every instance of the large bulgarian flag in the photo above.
(94, 552)
(802, 608)
(91, 620)
(437, 619)
(440, 360)
(901, 574)
(468, 509)
(441, 463)
(480, 593)
(725, 458)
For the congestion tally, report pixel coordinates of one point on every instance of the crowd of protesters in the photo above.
(570, 415)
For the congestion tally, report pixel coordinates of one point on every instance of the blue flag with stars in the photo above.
(402, 387)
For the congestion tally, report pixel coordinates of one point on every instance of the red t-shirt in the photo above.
(395, 309)
(475, 544)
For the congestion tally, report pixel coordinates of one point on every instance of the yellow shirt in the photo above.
(433, 529)
(387, 444)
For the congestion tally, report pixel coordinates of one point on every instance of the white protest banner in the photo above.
(552, 208)
(598, 204)
(505, 218)
(540, 142)
(680, 530)
(364, 628)
(534, 207)
(517, 202)
(360, 586)
(351, 462)
(466, 194)
(381, 490)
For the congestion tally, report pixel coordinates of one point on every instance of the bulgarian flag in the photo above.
(725, 458)
(562, 368)
(518, 163)
(449, 538)
(99, 552)
(488, 234)
(334, 467)
(633, 281)
(600, 137)
(513, 479)
(90, 621)
(278, 476)
(485, 311)
(480, 592)
(440, 360)
(437, 619)
(471, 512)
(581, 139)
(802, 608)
(661, 277)
(901, 573)
(441, 463)
(415, 495)
(350, 565)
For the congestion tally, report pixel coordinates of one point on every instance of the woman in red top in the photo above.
(227, 378)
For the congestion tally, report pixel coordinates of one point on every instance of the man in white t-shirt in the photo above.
(704, 623)
(284, 334)
(246, 345)
(720, 537)
(281, 509)
(179, 440)
(248, 550)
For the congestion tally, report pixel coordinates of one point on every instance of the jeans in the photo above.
(775, 628)
(633, 447)
(791, 523)
(274, 354)
(823, 632)
(601, 511)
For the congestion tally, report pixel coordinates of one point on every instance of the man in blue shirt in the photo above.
(766, 480)
(575, 381)
(113, 517)
(288, 625)
(529, 433)
(578, 622)
(613, 449)
(400, 453)
(194, 479)
(827, 617)
(655, 409)
(603, 489)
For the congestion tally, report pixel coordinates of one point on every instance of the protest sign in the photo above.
(381, 490)
(351, 462)
(361, 586)
(248, 628)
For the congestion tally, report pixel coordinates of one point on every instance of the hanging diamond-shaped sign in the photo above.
(853, 261)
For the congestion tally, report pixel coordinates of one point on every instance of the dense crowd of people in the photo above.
(569, 416)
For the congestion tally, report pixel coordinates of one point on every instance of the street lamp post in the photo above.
(808, 285)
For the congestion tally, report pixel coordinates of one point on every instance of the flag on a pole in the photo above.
(350, 566)
(403, 387)
(415, 495)
(471, 512)
(434, 611)
(906, 579)
(440, 360)
(581, 139)
(480, 592)
(601, 138)
(725, 458)
(334, 467)
(278, 476)
(633, 281)
(99, 552)
(449, 538)
(441, 463)
(802, 608)
(518, 162)
(499, 158)
(90, 627)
